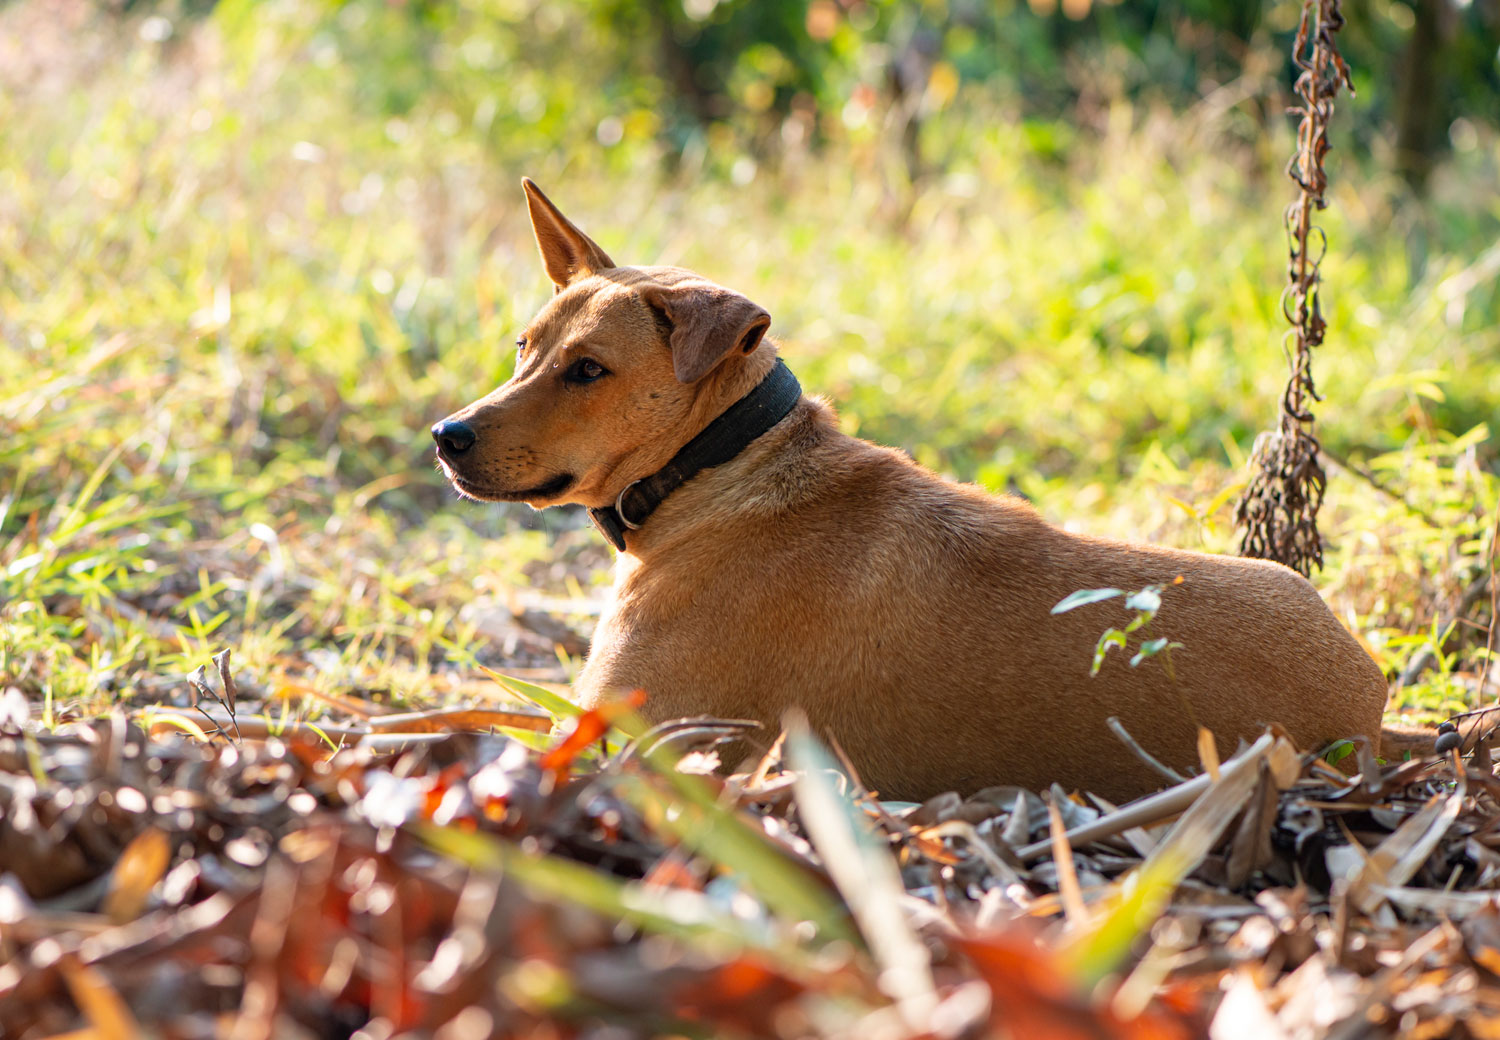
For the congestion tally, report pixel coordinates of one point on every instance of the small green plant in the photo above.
(1145, 602)
(1338, 751)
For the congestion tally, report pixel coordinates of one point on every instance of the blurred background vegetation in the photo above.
(250, 251)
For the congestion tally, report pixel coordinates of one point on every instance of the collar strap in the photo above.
(719, 441)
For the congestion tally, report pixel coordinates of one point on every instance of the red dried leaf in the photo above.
(1032, 996)
(453, 774)
(587, 728)
(744, 995)
(934, 849)
(672, 872)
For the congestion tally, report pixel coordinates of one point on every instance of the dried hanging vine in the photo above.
(1279, 510)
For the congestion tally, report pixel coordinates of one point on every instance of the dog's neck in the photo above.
(731, 432)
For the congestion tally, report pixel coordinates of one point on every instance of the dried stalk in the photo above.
(1279, 510)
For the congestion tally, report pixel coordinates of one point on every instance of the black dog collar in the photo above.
(720, 441)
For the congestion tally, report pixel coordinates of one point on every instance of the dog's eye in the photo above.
(584, 370)
(520, 344)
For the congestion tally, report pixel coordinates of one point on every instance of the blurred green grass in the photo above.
(235, 290)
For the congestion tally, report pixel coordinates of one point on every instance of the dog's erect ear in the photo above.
(708, 322)
(567, 253)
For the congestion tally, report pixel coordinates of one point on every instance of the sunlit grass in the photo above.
(235, 295)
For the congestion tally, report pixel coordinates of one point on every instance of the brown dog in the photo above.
(787, 564)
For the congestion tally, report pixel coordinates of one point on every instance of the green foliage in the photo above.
(1083, 597)
(559, 707)
(1339, 751)
(686, 73)
(1145, 602)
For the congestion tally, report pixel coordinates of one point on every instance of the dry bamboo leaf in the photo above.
(1244, 1014)
(1067, 875)
(140, 866)
(1453, 905)
(1194, 836)
(274, 913)
(762, 769)
(930, 847)
(997, 867)
(1481, 935)
(157, 723)
(456, 720)
(1369, 767)
(1035, 995)
(418, 723)
(356, 706)
(1285, 763)
(1313, 999)
(1018, 825)
(866, 875)
(1251, 848)
(1139, 839)
(108, 1016)
(1381, 987)
(1138, 900)
(1165, 804)
(1208, 753)
(1396, 859)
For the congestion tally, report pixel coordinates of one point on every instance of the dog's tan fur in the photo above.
(909, 616)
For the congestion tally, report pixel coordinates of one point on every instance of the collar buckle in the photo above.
(620, 506)
(612, 522)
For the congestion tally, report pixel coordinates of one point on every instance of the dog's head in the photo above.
(612, 376)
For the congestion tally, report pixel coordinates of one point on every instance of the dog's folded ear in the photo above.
(708, 323)
(567, 253)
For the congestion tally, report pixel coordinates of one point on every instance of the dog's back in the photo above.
(911, 618)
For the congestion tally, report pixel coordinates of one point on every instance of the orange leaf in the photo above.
(587, 728)
(1033, 996)
(456, 720)
(671, 872)
(108, 1015)
(743, 995)
(934, 849)
(140, 866)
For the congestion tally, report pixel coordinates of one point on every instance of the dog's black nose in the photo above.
(454, 437)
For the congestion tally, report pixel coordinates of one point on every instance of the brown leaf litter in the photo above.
(421, 875)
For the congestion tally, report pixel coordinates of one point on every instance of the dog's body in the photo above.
(910, 617)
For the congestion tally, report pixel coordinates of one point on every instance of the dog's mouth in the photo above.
(469, 489)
